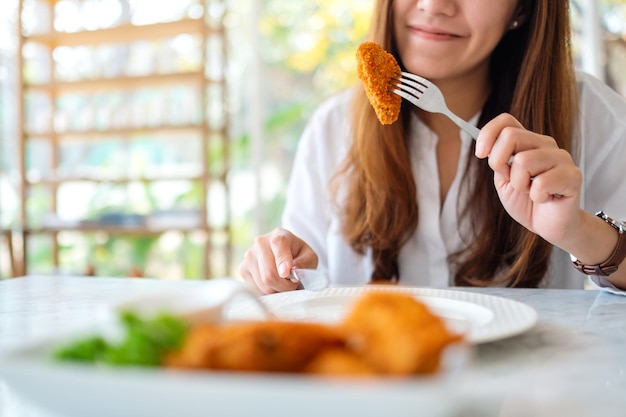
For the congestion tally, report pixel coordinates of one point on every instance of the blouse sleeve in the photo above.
(602, 154)
(322, 146)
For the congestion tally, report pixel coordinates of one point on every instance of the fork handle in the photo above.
(471, 130)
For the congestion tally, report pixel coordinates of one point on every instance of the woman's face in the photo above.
(446, 39)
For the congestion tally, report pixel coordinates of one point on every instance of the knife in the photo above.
(310, 279)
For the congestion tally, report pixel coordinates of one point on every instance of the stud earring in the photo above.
(515, 24)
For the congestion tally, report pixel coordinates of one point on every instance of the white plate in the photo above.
(71, 390)
(486, 318)
(79, 391)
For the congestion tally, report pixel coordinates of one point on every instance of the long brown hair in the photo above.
(532, 78)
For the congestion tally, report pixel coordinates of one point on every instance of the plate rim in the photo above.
(525, 316)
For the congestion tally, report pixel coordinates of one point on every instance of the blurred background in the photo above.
(155, 137)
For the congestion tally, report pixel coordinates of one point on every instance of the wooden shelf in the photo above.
(123, 33)
(101, 179)
(199, 172)
(125, 132)
(123, 83)
(116, 230)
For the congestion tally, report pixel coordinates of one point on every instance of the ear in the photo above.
(519, 17)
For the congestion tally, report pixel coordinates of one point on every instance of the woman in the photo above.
(420, 203)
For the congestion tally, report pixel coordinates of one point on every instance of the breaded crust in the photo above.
(272, 346)
(376, 67)
(396, 334)
(384, 333)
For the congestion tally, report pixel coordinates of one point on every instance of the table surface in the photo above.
(572, 363)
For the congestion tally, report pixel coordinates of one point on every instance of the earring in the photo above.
(515, 24)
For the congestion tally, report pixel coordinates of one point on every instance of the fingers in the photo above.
(556, 184)
(504, 137)
(526, 161)
(544, 174)
(491, 132)
(262, 284)
(269, 261)
(281, 246)
(248, 278)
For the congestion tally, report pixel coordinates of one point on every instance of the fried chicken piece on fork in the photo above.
(376, 68)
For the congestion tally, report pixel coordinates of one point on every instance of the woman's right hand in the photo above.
(269, 261)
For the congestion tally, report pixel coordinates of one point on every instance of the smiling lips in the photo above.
(432, 33)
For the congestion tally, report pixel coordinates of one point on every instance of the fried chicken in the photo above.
(271, 346)
(376, 67)
(339, 362)
(396, 334)
(384, 332)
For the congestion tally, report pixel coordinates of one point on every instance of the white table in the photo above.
(572, 363)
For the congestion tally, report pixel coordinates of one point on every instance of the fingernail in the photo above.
(480, 148)
(283, 270)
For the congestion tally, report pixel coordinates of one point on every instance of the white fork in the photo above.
(427, 96)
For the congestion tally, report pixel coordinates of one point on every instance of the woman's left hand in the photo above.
(540, 189)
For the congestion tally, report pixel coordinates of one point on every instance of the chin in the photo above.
(430, 71)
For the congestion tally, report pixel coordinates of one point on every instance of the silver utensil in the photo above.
(310, 279)
(427, 96)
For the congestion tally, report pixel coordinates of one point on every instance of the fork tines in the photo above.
(427, 96)
(410, 83)
(414, 81)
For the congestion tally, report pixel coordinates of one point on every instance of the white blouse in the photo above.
(310, 214)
